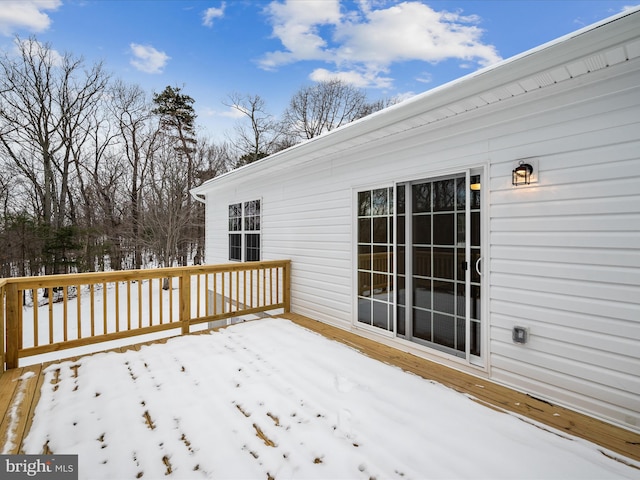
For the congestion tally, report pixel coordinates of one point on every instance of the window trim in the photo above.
(244, 220)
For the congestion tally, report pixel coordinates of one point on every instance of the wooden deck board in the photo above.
(19, 393)
(17, 413)
(8, 386)
(34, 402)
(609, 436)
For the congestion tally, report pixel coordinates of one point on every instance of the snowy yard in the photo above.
(269, 399)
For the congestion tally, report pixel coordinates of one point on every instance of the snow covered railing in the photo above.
(55, 312)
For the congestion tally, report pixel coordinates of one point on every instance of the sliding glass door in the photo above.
(420, 262)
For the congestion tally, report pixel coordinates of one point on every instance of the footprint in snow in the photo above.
(343, 384)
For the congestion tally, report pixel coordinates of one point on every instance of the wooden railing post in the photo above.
(286, 285)
(13, 325)
(2, 330)
(185, 301)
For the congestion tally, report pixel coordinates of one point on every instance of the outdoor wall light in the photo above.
(521, 175)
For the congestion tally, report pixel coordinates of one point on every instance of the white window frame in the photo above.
(245, 223)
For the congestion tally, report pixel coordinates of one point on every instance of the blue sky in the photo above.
(272, 48)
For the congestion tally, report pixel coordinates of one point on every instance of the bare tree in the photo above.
(261, 137)
(211, 160)
(136, 133)
(103, 176)
(323, 107)
(166, 216)
(45, 101)
(377, 105)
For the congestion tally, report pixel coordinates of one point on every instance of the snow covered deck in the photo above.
(148, 408)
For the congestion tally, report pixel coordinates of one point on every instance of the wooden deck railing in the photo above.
(56, 312)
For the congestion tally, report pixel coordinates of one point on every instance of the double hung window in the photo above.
(244, 231)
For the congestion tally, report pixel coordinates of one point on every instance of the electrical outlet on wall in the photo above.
(520, 334)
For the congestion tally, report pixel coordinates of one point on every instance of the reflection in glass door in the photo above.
(439, 263)
(375, 259)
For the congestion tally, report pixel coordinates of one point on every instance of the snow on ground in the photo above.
(269, 399)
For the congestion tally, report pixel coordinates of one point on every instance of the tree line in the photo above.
(95, 173)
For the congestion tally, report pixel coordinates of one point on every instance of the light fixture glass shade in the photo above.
(521, 175)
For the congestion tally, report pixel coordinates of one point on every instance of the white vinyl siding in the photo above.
(562, 254)
(565, 253)
(310, 224)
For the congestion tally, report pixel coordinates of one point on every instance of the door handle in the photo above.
(478, 266)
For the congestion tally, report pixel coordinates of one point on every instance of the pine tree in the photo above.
(177, 124)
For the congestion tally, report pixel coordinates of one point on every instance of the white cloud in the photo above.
(206, 112)
(425, 77)
(401, 97)
(413, 31)
(297, 25)
(364, 43)
(356, 78)
(211, 112)
(232, 113)
(211, 13)
(147, 59)
(25, 14)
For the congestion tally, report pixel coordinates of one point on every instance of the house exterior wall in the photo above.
(562, 256)
(565, 253)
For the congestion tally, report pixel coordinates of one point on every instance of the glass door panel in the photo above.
(440, 263)
(376, 290)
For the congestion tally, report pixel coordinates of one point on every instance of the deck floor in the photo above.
(20, 391)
